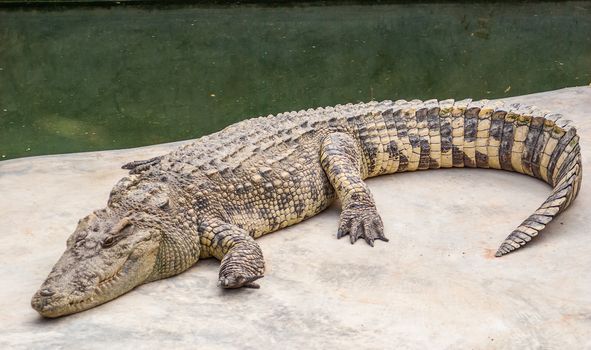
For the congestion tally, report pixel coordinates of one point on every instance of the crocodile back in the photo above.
(268, 154)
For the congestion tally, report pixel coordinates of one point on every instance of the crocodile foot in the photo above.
(232, 281)
(361, 222)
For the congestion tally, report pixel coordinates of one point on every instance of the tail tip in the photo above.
(504, 249)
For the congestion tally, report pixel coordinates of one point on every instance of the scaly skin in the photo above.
(213, 197)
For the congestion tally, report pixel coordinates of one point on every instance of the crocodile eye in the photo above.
(110, 241)
(121, 229)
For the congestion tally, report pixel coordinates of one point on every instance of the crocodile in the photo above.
(214, 196)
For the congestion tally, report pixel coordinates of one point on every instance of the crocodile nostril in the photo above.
(46, 292)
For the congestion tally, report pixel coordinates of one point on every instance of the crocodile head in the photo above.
(114, 250)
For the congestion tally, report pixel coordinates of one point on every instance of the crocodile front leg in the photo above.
(342, 161)
(241, 257)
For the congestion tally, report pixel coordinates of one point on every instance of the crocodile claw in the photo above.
(237, 281)
(361, 223)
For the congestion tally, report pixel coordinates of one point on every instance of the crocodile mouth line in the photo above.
(99, 288)
(114, 277)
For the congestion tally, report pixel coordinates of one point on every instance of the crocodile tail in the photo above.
(555, 158)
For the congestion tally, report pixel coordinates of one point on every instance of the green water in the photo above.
(104, 78)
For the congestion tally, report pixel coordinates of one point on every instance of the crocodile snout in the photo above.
(42, 299)
(47, 292)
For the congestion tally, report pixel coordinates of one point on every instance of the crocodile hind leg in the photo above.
(342, 161)
(241, 257)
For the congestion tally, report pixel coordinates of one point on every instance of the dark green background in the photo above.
(102, 78)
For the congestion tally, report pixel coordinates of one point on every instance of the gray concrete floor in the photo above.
(436, 283)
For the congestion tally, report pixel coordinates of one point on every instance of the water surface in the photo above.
(104, 78)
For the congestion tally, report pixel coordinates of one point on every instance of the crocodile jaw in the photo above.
(75, 286)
